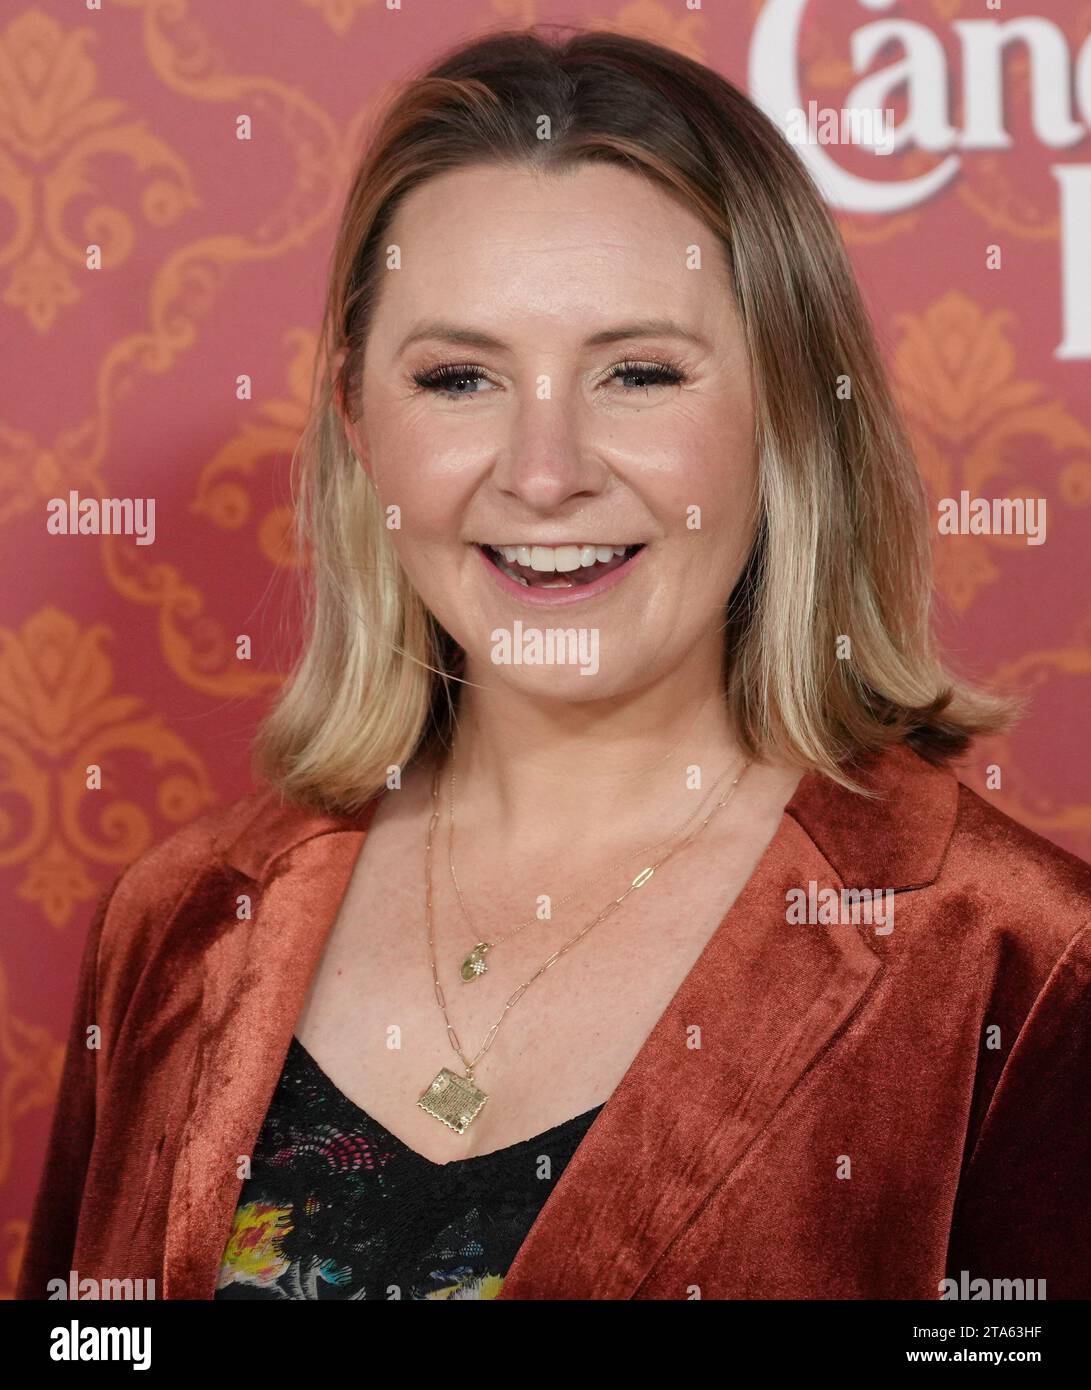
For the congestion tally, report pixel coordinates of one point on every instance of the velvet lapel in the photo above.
(251, 1003)
(683, 1116)
(767, 999)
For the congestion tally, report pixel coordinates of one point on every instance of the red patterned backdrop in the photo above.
(120, 132)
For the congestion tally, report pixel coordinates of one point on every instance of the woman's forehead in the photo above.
(596, 204)
(583, 247)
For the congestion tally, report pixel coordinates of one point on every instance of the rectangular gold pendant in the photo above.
(453, 1100)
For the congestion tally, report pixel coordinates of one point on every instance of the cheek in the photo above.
(709, 481)
(431, 488)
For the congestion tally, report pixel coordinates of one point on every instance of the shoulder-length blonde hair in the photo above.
(842, 545)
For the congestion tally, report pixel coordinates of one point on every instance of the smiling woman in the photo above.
(586, 346)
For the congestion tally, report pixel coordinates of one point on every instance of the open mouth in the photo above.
(558, 567)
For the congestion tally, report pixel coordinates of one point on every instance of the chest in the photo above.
(372, 1022)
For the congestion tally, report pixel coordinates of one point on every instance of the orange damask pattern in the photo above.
(955, 369)
(59, 716)
(117, 129)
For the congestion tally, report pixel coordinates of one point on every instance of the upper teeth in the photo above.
(548, 558)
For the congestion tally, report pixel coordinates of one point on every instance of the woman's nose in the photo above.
(546, 454)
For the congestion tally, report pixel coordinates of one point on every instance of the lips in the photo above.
(559, 589)
(558, 579)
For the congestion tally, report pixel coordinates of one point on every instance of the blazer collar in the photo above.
(897, 840)
(767, 998)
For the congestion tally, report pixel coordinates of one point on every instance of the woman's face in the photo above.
(558, 365)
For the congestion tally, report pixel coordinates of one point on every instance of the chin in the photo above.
(566, 687)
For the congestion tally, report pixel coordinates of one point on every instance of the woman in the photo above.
(612, 924)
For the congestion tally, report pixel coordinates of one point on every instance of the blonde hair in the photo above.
(842, 545)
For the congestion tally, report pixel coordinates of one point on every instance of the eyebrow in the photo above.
(449, 332)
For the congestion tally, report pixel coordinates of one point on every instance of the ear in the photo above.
(352, 433)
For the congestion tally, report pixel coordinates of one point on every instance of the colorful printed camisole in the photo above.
(336, 1207)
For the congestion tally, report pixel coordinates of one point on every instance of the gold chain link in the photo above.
(638, 882)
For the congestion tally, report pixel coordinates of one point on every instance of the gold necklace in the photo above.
(456, 1100)
(473, 965)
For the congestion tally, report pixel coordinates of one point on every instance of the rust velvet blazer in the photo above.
(867, 1113)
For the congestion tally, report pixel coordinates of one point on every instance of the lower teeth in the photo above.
(512, 575)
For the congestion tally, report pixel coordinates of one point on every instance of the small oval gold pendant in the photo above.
(474, 964)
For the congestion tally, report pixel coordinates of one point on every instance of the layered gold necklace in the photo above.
(456, 1100)
(473, 965)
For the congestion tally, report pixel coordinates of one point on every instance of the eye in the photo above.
(649, 373)
(445, 379)
(449, 378)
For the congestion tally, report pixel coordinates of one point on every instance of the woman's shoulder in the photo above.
(975, 875)
(1042, 890)
(925, 824)
(237, 839)
(984, 908)
(1012, 901)
(138, 904)
(162, 870)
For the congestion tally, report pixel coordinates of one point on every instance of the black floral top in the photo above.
(338, 1208)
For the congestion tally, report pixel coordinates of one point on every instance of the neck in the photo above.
(538, 772)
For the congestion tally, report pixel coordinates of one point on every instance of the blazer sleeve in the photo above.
(1023, 1209)
(54, 1218)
